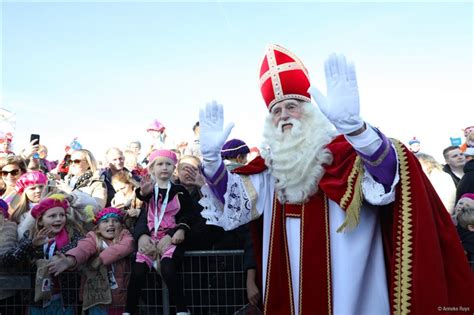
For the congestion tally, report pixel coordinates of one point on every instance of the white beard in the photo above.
(296, 157)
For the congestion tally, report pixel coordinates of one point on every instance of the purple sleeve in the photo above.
(218, 182)
(382, 165)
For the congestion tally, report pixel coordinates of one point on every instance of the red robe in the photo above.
(427, 271)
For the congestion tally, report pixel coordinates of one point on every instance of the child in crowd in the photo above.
(109, 244)
(51, 233)
(465, 219)
(8, 241)
(30, 188)
(125, 197)
(160, 230)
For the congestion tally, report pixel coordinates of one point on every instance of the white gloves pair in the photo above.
(341, 106)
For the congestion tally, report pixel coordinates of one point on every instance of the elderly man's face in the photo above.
(283, 112)
(116, 160)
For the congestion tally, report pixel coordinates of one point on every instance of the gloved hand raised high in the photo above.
(212, 132)
(341, 105)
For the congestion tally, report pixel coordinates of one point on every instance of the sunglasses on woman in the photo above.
(77, 161)
(12, 172)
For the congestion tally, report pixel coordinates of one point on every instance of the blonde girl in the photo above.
(160, 230)
(52, 233)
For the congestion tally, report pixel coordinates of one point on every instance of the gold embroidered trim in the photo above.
(292, 215)
(403, 248)
(221, 176)
(253, 195)
(274, 75)
(353, 209)
(274, 214)
(270, 252)
(280, 68)
(328, 253)
(287, 257)
(301, 260)
(381, 158)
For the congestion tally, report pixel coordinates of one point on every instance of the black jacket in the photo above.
(466, 184)
(448, 170)
(184, 218)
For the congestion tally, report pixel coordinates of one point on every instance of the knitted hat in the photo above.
(156, 125)
(232, 148)
(48, 203)
(163, 153)
(4, 208)
(414, 140)
(29, 179)
(106, 213)
(283, 76)
(468, 195)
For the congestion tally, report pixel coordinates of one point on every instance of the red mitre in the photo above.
(283, 76)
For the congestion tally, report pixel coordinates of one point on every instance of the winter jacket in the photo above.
(115, 255)
(466, 184)
(184, 218)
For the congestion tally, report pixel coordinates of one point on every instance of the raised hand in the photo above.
(212, 132)
(31, 149)
(341, 105)
(41, 237)
(146, 185)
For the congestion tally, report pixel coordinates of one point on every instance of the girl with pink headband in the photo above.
(160, 230)
(109, 244)
(52, 233)
(30, 189)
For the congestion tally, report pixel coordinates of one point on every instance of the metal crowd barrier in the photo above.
(214, 283)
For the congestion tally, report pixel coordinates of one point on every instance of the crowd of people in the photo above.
(309, 183)
(133, 216)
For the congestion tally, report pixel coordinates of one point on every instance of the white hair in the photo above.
(296, 157)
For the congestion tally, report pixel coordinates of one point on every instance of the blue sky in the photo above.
(103, 71)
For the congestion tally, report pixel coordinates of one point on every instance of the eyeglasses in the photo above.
(76, 161)
(14, 172)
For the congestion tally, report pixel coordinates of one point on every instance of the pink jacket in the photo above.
(115, 254)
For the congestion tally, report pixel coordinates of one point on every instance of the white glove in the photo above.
(341, 105)
(212, 132)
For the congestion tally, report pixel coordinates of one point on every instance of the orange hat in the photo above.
(283, 76)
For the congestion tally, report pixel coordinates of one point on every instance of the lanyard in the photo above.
(48, 249)
(163, 205)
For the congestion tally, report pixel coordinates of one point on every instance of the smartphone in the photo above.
(35, 137)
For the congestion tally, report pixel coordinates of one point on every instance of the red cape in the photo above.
(427, 270)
